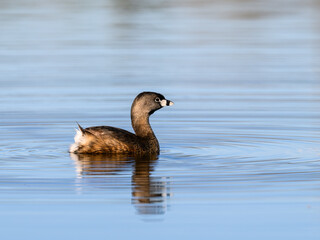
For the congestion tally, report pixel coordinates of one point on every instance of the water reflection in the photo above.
(149, 194)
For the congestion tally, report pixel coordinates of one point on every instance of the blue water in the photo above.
(240, 149)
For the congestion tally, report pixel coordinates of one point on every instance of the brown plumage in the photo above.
(105, 139)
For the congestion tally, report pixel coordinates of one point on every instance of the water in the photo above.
(240, 149)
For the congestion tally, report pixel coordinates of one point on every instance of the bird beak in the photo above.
(166, 102)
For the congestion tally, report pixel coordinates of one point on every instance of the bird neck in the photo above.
(141, 125)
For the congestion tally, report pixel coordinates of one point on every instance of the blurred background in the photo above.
(239, 149)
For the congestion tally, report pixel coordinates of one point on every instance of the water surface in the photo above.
(239, 149)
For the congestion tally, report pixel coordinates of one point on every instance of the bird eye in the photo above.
(157, 99)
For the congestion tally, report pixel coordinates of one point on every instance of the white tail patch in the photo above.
(78, 139)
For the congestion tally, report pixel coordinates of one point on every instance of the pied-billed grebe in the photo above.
(105, 139)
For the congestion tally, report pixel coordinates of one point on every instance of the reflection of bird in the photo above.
(115, 140)
(148, 193)
(101, 164)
